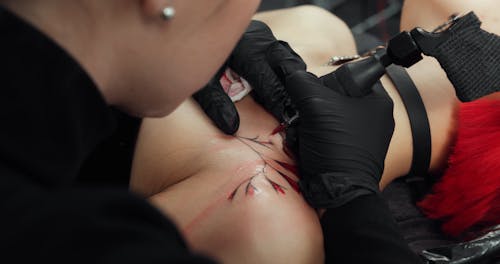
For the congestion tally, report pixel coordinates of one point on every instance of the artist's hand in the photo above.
(250, 60)
(217, 105)
(342, 141)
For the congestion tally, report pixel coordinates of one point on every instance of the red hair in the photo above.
(468, 195)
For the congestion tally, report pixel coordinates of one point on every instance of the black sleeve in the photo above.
(110, 162)
(85, 226)
(363, 231)
(52, 117)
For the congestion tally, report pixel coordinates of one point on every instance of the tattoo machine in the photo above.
(469, 55)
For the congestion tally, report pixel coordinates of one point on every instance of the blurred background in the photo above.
(377, 17)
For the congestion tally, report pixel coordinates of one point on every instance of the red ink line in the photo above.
(251, 191)
(277, 187)
(188, 228)
(255, 140)
(292, 183)
(289, 167)
(278, 129)
(231, 196)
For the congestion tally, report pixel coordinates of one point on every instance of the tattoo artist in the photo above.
(64, 63)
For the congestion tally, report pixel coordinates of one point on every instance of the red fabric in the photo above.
(468, 195)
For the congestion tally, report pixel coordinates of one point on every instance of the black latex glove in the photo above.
(250, 60)
(342, 141)
(218, 105)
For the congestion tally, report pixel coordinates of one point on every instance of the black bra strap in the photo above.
(419, 121)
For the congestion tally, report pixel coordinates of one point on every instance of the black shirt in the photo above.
(56, 137)
(364, 231)
(52, 117)
(110, 163)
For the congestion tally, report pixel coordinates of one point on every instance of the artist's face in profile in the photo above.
(182, 55)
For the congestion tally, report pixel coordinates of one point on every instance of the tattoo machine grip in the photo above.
(357, 78)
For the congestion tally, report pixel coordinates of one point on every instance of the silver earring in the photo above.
(168, 13)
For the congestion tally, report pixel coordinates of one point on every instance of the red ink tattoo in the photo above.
(250, 189)
(289, 167)
(257, 141)
(292, 183)
(278, 188)
(231, 196)
(278, 129)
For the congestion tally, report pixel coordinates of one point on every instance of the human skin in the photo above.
(137, 59)
(200, 177)
(437, 11)
(435, 89)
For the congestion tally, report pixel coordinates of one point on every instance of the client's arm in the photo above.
(438, 11)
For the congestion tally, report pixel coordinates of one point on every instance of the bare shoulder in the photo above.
(314, 33)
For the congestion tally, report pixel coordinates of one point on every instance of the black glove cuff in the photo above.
(331, 190)
(470, 58)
